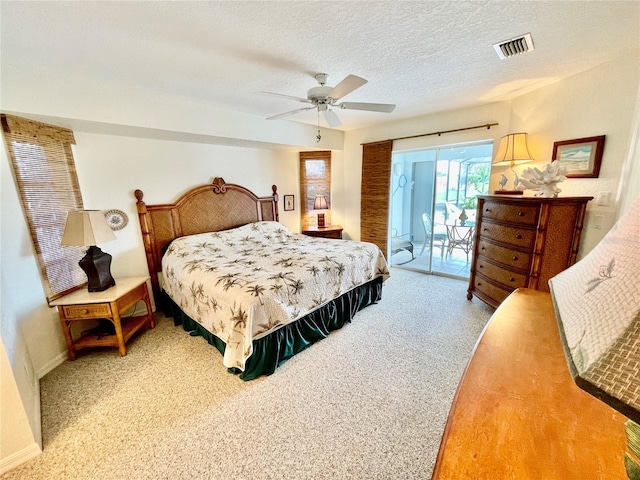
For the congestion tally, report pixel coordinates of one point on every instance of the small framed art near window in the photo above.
(581, 157)
(288, 203)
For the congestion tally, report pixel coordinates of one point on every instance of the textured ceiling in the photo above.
(423, 56)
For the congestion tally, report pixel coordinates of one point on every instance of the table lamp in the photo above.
(597, 303)
(320, 203)
(512, 151)
(87, 228)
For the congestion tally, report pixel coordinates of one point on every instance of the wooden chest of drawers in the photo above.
(523, 242)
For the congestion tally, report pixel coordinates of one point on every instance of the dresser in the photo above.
(518, 413)
(523, 242)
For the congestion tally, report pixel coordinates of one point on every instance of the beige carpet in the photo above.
(368, 402)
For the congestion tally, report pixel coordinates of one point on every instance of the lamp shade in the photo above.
(320, 203)
(85, 228)
(513, 150)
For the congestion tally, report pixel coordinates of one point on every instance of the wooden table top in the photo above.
(518, 414)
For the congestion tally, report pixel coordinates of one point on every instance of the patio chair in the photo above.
(438, 237)
(400, 243)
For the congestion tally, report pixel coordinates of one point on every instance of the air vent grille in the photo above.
(515, 46)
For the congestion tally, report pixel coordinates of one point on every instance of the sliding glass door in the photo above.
(433, 201)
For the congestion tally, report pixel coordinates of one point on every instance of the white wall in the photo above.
(600, 101)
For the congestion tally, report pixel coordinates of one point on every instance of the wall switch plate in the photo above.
(598, 221)
(604, 199)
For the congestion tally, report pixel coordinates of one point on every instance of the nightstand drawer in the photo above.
(502, 275)
(517, 236)
(523, 214)
(87, 311)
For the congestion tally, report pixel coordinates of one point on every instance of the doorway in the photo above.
(433, 206)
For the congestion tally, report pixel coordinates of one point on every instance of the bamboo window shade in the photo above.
(315, 179)
(45, 176)
(374, 200)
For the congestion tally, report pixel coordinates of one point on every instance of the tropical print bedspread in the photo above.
(243, 283)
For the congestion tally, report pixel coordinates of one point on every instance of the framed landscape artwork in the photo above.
(581, 156)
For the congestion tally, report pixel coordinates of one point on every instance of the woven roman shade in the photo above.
(374, 196)
(47, 183)
(315, 179)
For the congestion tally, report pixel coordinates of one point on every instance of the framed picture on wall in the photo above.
(581, 156)
(288, 203)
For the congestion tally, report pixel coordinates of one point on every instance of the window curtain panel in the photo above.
(374, 193)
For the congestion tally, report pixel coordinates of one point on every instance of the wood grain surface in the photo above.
(518, 414)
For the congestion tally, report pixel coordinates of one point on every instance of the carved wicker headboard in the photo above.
(207, 208)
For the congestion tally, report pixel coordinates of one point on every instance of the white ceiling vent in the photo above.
(515, 46)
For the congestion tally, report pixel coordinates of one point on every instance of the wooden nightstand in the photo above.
(109, 304)
(332, 231)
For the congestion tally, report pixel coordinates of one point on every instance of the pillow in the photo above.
(597, 304)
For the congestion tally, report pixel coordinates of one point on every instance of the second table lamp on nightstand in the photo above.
(320, 204)
(87, 228)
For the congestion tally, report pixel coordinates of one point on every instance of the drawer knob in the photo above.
(487, 209)
(484, 229)
(521, 214)
(515, 257)
(479, 283)
(518, 236)
(481, 248)
(512, 279)
(481, 266)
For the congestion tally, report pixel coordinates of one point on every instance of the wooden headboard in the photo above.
(207, 208)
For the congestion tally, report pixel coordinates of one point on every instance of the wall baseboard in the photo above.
(51, 364)
(20, 457)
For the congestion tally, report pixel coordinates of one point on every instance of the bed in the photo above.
(224, 268)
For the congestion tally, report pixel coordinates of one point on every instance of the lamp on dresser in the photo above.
(320, 203)
(88, 228)
(597, 304)
(513, 150)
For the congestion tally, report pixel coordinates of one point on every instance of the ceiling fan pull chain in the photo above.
(318, 136)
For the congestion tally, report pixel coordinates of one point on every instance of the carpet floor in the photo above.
(368, 402)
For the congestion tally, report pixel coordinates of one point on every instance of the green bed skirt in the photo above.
(271, 351)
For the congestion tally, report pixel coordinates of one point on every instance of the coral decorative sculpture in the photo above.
(545, 181)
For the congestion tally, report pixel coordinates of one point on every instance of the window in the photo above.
(315, 180)
(45, 175)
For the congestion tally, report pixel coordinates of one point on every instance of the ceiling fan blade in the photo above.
(282, 95)
(346, 86)
(286, 114)
(371, 107)
(332, 119)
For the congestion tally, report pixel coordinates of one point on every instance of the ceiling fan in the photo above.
(325, 99)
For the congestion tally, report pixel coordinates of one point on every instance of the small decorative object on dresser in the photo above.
(523, 242)
(333, 231)
(545, 181)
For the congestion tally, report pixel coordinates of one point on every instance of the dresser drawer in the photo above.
(522, 214)
(86, 311)
(501, 275)
(490, 290)
(517, 236)
(512, 258)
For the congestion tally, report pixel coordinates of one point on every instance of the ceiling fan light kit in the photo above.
(324, 98)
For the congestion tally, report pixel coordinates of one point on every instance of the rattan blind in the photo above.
(315, 179)
(374, 196)
(46, 179)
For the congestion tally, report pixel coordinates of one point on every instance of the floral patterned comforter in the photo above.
(242, 284)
